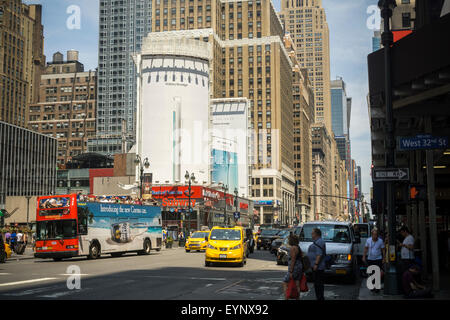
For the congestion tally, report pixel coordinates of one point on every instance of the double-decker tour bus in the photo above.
(68, 228)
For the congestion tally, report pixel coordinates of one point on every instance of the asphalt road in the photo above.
(170, 274)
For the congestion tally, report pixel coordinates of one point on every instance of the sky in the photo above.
(350, 43)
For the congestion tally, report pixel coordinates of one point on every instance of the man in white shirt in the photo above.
(374, 250)
(19, 236)
(407, 249)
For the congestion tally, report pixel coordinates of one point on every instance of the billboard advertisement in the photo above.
(231, 143)
(225, 163)
(120, 227)
(174, 117)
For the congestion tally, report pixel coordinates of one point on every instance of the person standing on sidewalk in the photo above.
(316, 255)
(374, 250)
(13, 240)
(8, 237)
(295, 267)
(407, 251)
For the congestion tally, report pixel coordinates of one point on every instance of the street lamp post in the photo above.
(189, 178)
(138, 161)
(28, 209)
(225, 189)
(387, 6)
(236, 193)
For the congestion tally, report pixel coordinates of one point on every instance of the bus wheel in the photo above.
(57, 259)
(147, 248)
(94, 251)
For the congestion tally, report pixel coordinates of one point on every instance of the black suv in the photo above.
(266, 237)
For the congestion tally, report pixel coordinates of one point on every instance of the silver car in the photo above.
(341, 247)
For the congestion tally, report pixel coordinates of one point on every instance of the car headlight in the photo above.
(211, 247)
(203, 241)
(237, 247)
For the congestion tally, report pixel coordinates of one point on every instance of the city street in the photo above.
(170, 274)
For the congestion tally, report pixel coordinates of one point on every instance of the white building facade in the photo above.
(173, 114)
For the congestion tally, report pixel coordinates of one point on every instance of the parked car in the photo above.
(266, 237)
(276, 243)
(341, 247)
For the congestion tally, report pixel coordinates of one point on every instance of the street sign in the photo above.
(237, 215)
(391, 174)
(422, 142)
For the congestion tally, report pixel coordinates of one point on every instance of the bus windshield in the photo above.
(61, 229)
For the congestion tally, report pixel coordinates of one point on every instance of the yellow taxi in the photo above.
(5, 253)
(8, 250)
(197, 241)
(226, 245)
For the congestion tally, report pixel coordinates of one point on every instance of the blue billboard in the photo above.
(225, 168)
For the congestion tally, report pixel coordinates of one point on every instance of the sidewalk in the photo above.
(443, 294)
(28, 254)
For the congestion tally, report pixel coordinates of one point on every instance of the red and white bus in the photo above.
(67, 228)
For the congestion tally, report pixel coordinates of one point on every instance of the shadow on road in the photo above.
(167, 283)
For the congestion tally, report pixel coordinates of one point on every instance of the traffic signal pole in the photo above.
(432, 211)
(391, 281)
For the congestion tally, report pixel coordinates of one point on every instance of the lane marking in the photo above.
(58, 294)
(4, 274)
(187, 278)
(229, 286)
(26, 281)
(73, 274)
(31, 291)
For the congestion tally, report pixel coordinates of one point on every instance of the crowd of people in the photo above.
(115, 199)
(410, 267)
(17, 239)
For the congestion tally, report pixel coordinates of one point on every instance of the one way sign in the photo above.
(391, 174)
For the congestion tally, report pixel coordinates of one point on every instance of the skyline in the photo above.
(350, 43)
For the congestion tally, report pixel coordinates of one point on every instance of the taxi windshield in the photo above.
(199, 234)
(225, 234)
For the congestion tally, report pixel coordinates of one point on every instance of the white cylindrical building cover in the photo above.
(173, 126)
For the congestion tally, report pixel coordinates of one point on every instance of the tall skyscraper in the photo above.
(305, 21)
(66, 106)
(123, 24)
(249, 60)
(303, 108)
(21, 59)
(339, 106)
(376, 40)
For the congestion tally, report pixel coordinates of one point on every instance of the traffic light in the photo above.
(2, 218)
(417, 192)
